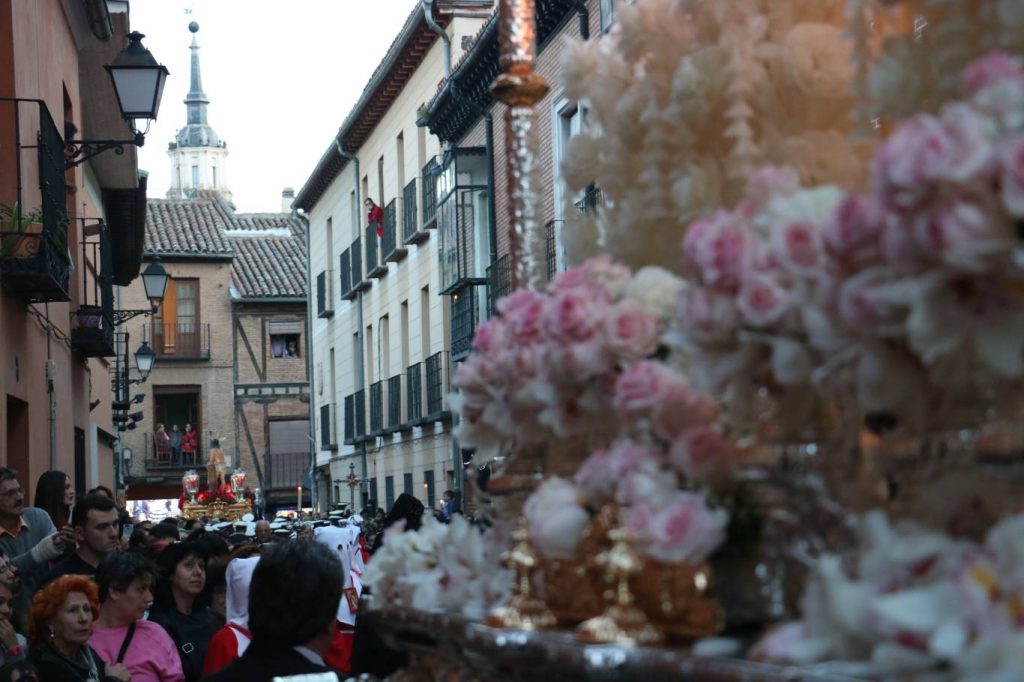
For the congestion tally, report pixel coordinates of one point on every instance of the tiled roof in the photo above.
(268, 265)
(188, 227)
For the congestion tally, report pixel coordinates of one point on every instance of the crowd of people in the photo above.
(87, 597)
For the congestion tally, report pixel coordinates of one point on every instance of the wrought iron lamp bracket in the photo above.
(79, 151)
(122, 316)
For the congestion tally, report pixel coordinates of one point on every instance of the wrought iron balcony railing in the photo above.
(376, 408)
(348, 288)
(92, 325)
(499, 282)
(350, 419)
(35, 256)
(429, 186)
(394, 417)
(592, 199)
(392, 249)
(464, 319)
(414, 392)
(411, 232)
(551, 229)
(359, 397)
(359, 280)
(327, 427)
(374, 267)
(437, 385)
(178, 341)
(325, 294)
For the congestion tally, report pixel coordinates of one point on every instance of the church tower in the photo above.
(198, 156)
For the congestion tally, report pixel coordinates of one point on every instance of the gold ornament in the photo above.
(524, 610)
(622, 622)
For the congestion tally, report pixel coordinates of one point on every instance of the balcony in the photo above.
(393, 253)
(499, 282)
(360, 400)
(377, 408)
(285, 470)
(374, 267)
(35, 262)
(462, 219)
(350, 419)
(437, 387)
(325, 294)
(394, 397)
(162, 459)
(465, 314)
(327, 438)
(551, 233)
(359, 281)
(429, 186)
(92, 325)
(178, 341)
(347, 288)
(411, 232)
(414, 393)
(592, 199)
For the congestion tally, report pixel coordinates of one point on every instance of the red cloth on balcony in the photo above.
(376, 215)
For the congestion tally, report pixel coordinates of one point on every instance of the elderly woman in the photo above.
(59, 629)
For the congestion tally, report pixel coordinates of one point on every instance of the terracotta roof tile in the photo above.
(270, 266)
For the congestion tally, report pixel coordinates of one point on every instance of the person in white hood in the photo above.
(231, 641)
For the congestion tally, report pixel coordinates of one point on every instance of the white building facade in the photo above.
(380, 330)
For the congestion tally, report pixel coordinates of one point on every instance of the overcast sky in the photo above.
(280, 77)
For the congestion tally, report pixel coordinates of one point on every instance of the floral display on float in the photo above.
(451, 567)
(687, 98)
(916, 601)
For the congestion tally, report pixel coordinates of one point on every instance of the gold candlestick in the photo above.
(622, 622)
(524, 611)
(520, 88)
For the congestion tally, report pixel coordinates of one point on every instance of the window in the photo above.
(607, 15)
(195, 176)
(389, 492)
(176, 329)
(337, 494)
(428, 485)
(407, 484)
(372, 493)
(214, 170)
(285, 345)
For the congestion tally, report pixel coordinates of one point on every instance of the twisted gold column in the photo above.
(520, 88)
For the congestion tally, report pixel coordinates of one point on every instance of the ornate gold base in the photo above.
(216, 510)
(620, 624)
(523, 612)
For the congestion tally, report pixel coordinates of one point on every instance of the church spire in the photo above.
(196, 100)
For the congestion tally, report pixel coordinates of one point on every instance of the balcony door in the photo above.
(179, 406)
(177, 330)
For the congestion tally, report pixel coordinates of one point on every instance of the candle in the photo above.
(298, 506)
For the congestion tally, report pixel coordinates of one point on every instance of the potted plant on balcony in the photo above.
(18, 230)
(89, 316)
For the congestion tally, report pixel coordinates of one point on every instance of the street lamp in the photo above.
(154, 279)
(144, 358)
(139, 85)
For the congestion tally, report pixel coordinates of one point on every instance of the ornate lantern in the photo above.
(190, 483)
(238, 482)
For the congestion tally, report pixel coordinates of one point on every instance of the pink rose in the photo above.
(990, 69)
(630, 330)
(765, 184)
(489, 335)
(962, 233)
(521, 310)
(925, 151)
(702, 453)
(684, 530)
(588, 359)
(681, 407)
(569, 316)
(797, 244)
(852, 233)
(708, 316)
(762, 300)
(1011, 177)
(862, 307)
(718, 247)
(600, 473)
(641, 387)
(646, 485)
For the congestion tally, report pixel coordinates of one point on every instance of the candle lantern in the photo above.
(238, 482)
(190, 483)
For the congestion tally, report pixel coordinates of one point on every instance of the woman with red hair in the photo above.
(59, 628)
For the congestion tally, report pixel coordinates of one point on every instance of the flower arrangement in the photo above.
(911, 283)
(917, 600)
(546, 368)
(451, 567)
(686, 98)
(222, 494)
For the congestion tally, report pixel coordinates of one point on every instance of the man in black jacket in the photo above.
(293, 604)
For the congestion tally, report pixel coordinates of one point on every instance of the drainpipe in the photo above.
(314, 487)
(359, 296)
(428, 16)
